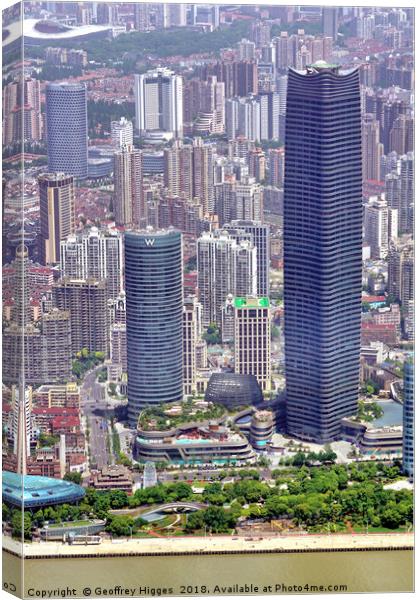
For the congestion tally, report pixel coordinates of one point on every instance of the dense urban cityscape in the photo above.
(208, 298)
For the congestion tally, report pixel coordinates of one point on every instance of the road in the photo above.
(92, 399)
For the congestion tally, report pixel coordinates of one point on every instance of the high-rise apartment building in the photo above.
(67, 129)
(86, 301)
(372, 149)
(57, 214)
(22, 111)
(260, 237)
(188, 171)
(399, 190)
(330, 22)
(191, 337)
(204, 106)
(380, 226)
(276, 167)
(159, 103)
(153, 270)
(239, 76)
(252, 339)
(94, 254)
(322, 249)
(401, 272)
(129, 206)
(121, 133)
(224, 267)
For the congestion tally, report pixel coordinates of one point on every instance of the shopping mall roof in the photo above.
(34, 491)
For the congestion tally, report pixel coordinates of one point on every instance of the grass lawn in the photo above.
(70, 524)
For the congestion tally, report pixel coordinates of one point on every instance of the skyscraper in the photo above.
(67, 130)
(128, 187)
(322, 249)
(57, 214)
(153, 266)
(408, 418)
(159, 103)
(252, 339)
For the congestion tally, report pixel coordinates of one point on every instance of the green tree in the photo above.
(120, 525)
(21, 524)
(74, 477)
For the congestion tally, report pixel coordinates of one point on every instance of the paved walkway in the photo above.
(291, 543)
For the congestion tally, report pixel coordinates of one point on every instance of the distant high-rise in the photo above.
(252, 339)
(330, 22)
(86, 301)
(153, 267)
(408, 418)
(94, 254)
(128, 188)
(322, 249)
(121, 133)
(159, 103)
(224, 267)
(191, 337)
(22, 111)
(260, 237)
(380, 226)
(372, 149)
(67, 129)
(57, 214)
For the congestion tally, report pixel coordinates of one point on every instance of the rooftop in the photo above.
(34, 490)
(263, 302)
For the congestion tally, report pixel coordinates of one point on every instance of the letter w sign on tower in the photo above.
(149, 241)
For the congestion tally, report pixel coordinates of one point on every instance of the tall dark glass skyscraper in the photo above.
(153, 277)
(322, 249)
(67, 130)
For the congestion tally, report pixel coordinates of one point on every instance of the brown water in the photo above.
(359, 571)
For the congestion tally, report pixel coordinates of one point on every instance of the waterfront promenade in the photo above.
(216, 545)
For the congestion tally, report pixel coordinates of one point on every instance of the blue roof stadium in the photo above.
(34, 491)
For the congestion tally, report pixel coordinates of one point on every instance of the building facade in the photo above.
(67, 129)
(322, 250)
(153, 265)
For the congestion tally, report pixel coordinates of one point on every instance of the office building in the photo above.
(129, 206)
(399, 189)
(86, 301)
(224, 267)
(322, 250)
(94, 254)
(67, 130)
(57, 214)
(153, 271)
(408, 418)
(159, 104)
(121, 133)
(252, 339)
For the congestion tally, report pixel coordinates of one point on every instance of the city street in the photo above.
(93, 399)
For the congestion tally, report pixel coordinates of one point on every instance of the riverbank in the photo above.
(214, 545)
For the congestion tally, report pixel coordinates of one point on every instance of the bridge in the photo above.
(176, 507)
